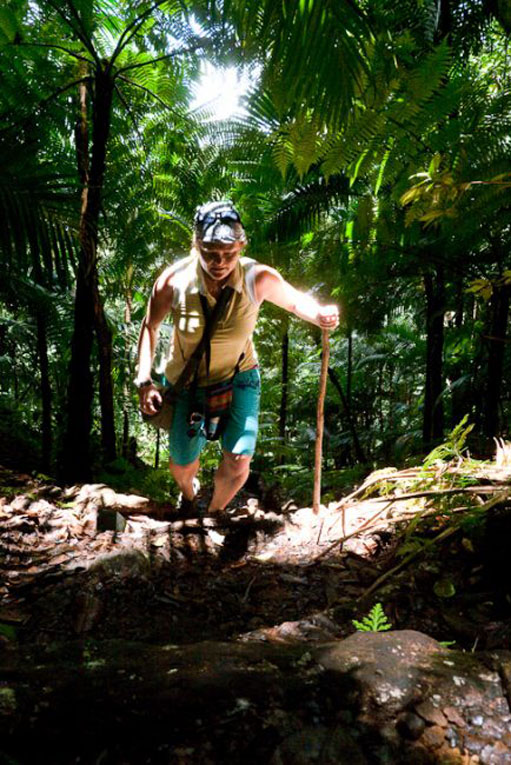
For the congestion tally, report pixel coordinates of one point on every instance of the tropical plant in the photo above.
(101, 52)
(374, 621)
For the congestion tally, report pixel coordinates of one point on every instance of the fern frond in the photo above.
(375, 621)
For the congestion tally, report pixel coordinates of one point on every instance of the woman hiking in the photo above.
(222, 400)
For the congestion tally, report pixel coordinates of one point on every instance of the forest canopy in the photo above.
(370, 162)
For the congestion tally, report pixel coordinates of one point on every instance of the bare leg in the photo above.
(231, 475)
(184, 475)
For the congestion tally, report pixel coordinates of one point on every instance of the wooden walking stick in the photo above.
(316, 496)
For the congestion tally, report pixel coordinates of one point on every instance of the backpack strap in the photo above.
(211, 319)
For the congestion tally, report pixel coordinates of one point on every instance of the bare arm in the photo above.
(270, 285)
(158, 307)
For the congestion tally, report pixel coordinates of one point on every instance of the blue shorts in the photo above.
(240, 433)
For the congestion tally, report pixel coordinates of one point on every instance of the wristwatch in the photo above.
(142, 383)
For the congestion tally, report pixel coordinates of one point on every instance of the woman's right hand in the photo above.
(150, 399)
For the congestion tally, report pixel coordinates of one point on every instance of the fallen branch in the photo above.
(430, 493)
(439, 493)
(363, 526)
(394, 476)
(419, 472)
(370, 525)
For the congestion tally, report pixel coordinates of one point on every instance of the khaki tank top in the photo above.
(233, 333)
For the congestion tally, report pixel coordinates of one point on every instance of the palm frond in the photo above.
(325, 38)
(304, 206)
(39, 228)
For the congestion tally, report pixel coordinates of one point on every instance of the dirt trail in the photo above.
(266, 575)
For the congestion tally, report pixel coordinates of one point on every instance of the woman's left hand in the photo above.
(328, 316)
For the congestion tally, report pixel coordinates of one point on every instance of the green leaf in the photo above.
(8, 26)
(444, 588)
(453, 447)
(8, 631)
(354, 174)
(381, 171)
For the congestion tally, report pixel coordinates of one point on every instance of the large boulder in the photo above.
(396, 697)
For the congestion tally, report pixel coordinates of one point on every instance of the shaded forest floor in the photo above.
(88, 562)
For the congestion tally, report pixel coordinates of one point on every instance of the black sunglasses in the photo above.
(224, 216)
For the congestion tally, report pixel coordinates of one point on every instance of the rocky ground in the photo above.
(84, 568)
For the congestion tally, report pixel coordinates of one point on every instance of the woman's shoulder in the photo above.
(183, 270)
(248, 264)
(182, 276)
(250, 268)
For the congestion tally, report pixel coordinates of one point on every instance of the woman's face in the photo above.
(219, 260)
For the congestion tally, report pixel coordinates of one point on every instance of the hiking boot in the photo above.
(187, 508)
(220, 516)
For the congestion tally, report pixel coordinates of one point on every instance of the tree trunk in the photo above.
(444, 21)
(42, 357)
(284, 388)
(356, 443)
(157, 450)
(496, 348)
(125, 387)
(460, 400)
(101, 129)
(125, 432)
(42, 351)
(106, 391)
(77, 454)
(349, 367)
(380, 400)
(460, 304)
(76, 461)
(390, 439)
(433, 423)
(15, 380)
